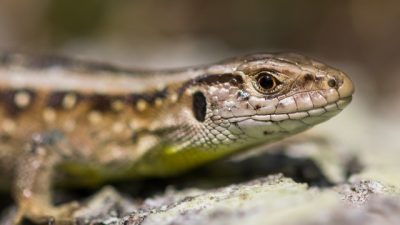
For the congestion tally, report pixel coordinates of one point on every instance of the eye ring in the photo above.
(266, 82)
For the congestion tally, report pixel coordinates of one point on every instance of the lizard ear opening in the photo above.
(199, 106)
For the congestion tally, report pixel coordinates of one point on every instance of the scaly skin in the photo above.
(66, 122)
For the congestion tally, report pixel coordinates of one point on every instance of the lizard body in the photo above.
(73, 123)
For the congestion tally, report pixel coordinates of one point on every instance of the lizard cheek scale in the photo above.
(71, 123)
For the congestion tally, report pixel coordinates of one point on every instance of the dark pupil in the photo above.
(332, 83)
(266, 81)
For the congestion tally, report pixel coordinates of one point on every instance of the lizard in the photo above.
(71, 122)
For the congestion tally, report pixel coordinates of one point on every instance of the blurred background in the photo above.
(360, 37)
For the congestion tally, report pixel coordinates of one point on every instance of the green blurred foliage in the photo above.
(75, 18)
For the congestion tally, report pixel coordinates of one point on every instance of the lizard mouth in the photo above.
(276, 126)
(326, 111)
(307, 116)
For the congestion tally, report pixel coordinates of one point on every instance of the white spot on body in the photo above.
(133, 124)
(188, 92)
(158, 102)
(27, 193)
(117, 105)
(174, 97)
(49, 115)
(8, 125)
(118, 127)
(22, 99)
(94, 117)
(141, 105)
(69, 101)
(69, 125)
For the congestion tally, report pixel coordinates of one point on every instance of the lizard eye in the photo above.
(266, 82)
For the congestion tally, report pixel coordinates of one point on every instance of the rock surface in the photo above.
(314, 186)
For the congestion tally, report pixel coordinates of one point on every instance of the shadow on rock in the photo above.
(226, 172)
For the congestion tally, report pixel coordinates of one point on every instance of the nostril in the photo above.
(332, 83)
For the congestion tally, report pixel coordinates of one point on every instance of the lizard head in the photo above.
(267, 97)
(245, 102)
